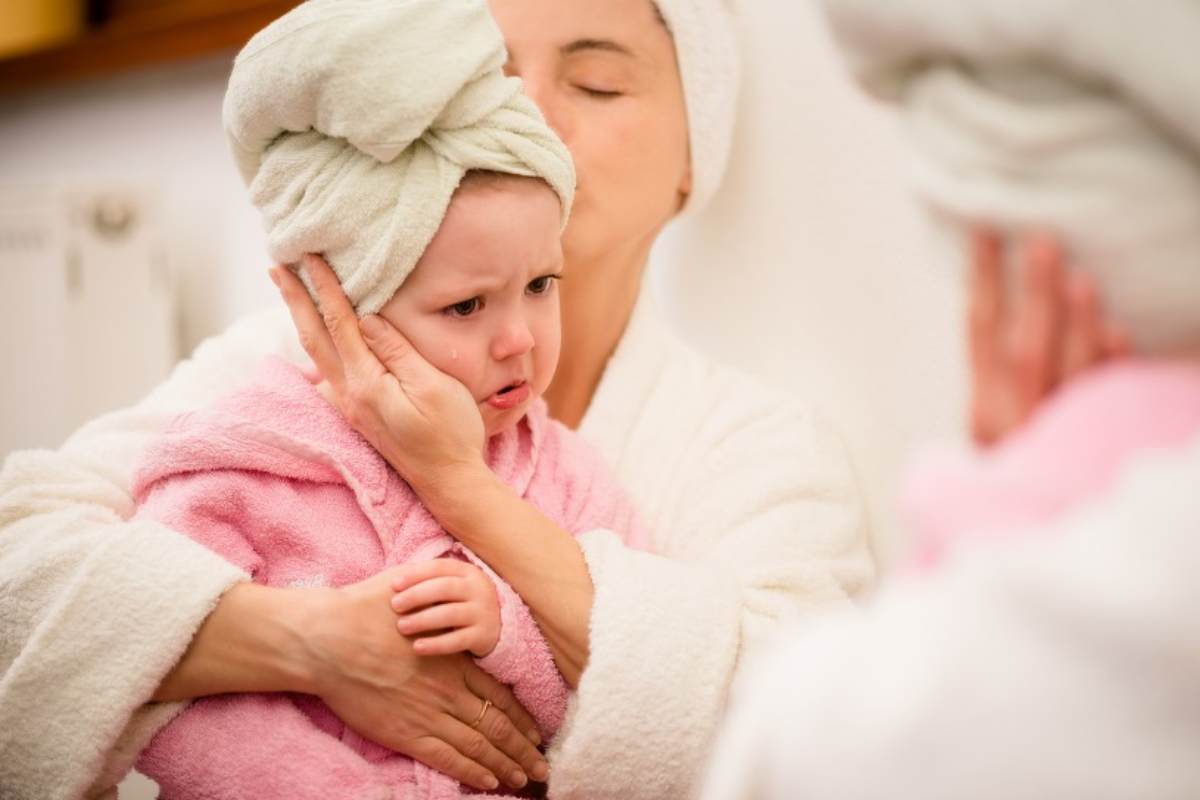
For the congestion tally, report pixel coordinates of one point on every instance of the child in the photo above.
(437, 193)
(1026, 116)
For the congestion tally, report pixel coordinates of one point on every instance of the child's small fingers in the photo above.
(456, 641)
(413, 574)
(440, 617)
(427, 593)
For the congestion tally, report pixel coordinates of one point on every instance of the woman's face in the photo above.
(605, 76)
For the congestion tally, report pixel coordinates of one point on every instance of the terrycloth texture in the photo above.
(754, 513)
(353, 121)
(1045, 114)
(1065, 664)
(277, 482)
(706, 49)
(1072, 451)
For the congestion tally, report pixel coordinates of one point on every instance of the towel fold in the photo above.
(1080, 119)
(353, 122)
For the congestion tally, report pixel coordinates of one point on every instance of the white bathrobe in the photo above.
(757, 519)
(1063, 666)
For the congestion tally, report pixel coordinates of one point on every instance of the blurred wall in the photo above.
(159, 129)
(810, 268)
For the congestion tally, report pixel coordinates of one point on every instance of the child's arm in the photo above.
(244, 745)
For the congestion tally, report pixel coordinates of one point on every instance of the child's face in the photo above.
(482, 303)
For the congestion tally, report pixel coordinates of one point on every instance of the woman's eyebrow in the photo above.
(606, 45)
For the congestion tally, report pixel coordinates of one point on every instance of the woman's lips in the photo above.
(513, 397)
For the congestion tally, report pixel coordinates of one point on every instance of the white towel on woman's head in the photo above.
(1079, 118)
(706, 49)
(353, 122)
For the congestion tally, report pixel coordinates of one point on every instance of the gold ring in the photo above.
(486, 705)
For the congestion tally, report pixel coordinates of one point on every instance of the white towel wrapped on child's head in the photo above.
(1076, 118)
(353, 122)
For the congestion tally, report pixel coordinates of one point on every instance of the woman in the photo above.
(755, 506)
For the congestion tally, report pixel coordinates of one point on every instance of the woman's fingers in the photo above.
(1037, 325)
(340, 320)
(500, 726)
(392, 349)
(445, 758)
(986, 309)
(1083, 337)
(426, 593)
(314, 337)
(503, 699)
(992, 406)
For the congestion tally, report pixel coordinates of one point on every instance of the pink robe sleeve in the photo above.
(245, 745)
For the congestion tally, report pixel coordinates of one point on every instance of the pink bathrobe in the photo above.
(1070, 452)
(275, 480)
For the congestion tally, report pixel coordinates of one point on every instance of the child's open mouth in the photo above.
(510, 396)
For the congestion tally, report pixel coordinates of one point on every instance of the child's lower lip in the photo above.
(512, 399)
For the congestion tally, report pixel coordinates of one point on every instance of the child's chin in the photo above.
(496, 421)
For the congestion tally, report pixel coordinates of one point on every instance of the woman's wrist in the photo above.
(460, 497)
(253, 641)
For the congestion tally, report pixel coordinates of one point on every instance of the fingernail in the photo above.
(490, 782)
(274, 277)
(541, 771)
(396, 602)
(517, 779)
(534, 737)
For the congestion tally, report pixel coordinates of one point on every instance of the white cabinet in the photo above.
(87, 312)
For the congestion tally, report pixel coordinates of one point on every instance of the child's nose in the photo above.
(514, 339)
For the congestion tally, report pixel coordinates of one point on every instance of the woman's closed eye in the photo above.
(464, 308)
(542, 285)
(598, 92)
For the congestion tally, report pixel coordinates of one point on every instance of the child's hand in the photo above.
(455, 599)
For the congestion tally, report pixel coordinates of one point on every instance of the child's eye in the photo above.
(541, 285)
(463, 309)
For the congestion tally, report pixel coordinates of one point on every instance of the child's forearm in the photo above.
(539, 559)
(251, 642)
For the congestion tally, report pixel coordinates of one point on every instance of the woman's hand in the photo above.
(1022, 351)
(420, 419)
(425, 707)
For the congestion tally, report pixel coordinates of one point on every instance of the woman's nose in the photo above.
(514, 339)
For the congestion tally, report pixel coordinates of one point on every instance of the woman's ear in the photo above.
(685, 186)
